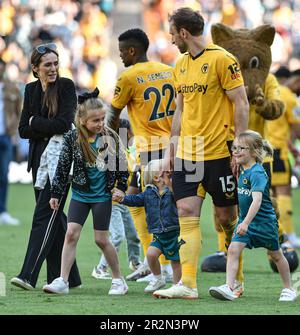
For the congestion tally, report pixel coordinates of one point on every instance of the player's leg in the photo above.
(139, 218)
(221, 185)
(281, 183)
(133, 242)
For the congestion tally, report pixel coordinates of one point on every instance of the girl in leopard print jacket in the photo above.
(115, 160)
(99, 162)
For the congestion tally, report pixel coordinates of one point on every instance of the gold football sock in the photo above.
(220, 234)
(191, 243)
(221, 241)
(228, 230)
(163, 260)
(139, 218)
(285, 209)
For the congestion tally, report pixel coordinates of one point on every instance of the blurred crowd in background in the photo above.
(80, 29)
(83, 32)
(283, 14)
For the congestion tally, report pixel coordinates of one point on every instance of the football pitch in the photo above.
(262, 285)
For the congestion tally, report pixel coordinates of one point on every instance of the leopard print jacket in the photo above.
(116, 167)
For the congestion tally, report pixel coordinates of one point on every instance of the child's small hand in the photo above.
(242, 229)
(117, 195)
(54, 203)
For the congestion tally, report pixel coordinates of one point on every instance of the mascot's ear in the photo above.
(220, 32)
(264, 34)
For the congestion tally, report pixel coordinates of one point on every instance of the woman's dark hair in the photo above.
(51, 94)
(136, 38)
(188, 19)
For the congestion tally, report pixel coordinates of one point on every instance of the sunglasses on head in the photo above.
(42, 48)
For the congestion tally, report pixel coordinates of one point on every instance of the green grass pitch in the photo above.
(263, 286)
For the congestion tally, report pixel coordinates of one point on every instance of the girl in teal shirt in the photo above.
(257, 225)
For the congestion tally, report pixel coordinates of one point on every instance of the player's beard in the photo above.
(183, 47)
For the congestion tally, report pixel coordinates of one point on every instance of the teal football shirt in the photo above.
(98, 181)
(263, 230)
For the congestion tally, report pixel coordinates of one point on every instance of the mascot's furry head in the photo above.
(253, 50)
(251, 47)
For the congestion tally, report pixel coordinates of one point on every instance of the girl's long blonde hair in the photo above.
(82, 114)
(257, 145)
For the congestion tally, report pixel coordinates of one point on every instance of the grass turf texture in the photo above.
(263, 286)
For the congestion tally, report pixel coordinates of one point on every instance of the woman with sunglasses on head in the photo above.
(48, 109)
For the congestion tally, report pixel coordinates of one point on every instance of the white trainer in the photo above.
(118, 287)
(222, 292)
(8, 220)
(146, 279)
(155, 285)
(238, 288)
(101, 273)
(58, 286)
(24, 284)
(134, 266)
(177, 291)
(294, 240)
(288, 295)
(142, 271)
(168, 276)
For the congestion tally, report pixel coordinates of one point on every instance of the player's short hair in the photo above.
(136, 38)
(188, 19)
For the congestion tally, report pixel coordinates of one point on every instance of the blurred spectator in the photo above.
(10, 110)
(283, 14)
(83, 29)
(7, 13)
